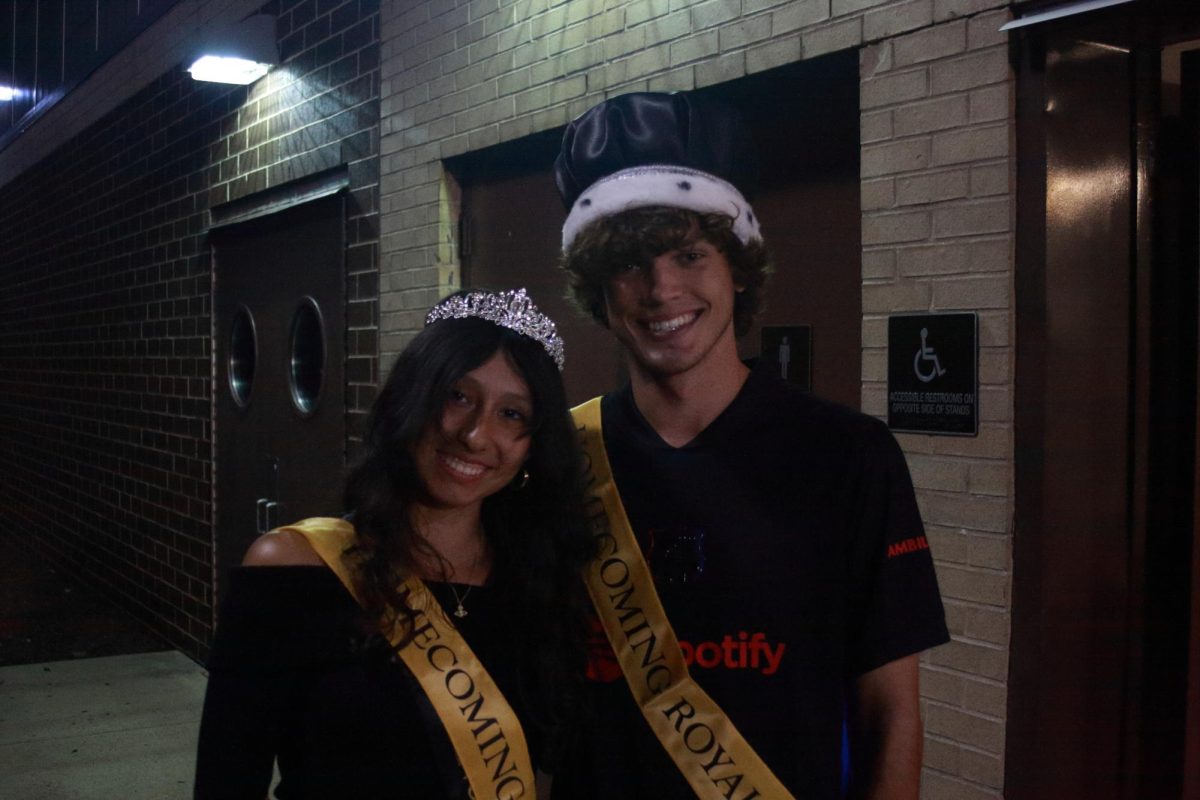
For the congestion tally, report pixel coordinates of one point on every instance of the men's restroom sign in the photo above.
(933, 373)
(788, 349)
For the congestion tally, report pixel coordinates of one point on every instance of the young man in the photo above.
(779, 532)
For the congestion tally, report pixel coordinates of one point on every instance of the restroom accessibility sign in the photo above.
(933, 373)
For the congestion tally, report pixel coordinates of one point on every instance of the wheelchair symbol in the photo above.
(927, 356)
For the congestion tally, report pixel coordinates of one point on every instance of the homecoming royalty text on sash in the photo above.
(705, 746)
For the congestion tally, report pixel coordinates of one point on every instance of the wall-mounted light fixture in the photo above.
(7, 94)
(241, 53)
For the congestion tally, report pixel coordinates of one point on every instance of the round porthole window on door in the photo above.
(243, 356)
(306, 367)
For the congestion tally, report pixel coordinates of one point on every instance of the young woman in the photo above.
(442, 622)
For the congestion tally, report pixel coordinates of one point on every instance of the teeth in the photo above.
(462, 467)
(669, 325)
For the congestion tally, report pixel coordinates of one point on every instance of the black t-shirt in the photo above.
(291, 675)
(790, 558)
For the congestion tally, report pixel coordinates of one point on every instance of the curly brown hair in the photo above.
(638, 235)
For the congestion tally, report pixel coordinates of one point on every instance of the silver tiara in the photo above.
(512, 309)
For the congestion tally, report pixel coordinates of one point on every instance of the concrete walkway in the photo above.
(105, 728)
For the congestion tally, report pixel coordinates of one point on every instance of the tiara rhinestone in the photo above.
(510, 309)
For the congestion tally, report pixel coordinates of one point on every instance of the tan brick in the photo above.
(874, 365)
(976, 730)
(956, 622)
(985, 697)
(937, 259)
(974, 512)
(971, 144)
(873, 400)
(643, 10)
(877, 194)
(554, 69)
(991, 179)
(832, 38)
(514, 81)
(938, 473)
(995, 405)
(890, 158)
(946, 687)
(991, 625)
(950, 546)
(894, 88)
(995, 366)
(950, 9)
(841, 8)
(931, 188)
(990, 478)
(931, 44)
(557, 42)
(936, 786)
(554, 19)
(973, 292)
(714, 12)
(773, 54)
(973, 218)
(677, 80)
(899, 16)
(972, 585)
(992, 441)
(578, 12)
(878, 264)
(755, 6)
(969, 72)
(603, 24)
(668, 28)
(796, 15)
(651, 60)
(721, 69)
(695, 47)
(874, 329)
(984, 30)
(875, 127)
(889, 297)
(941, 754)
(895, 228)
(983, 768)
(623, 43)
(933, 115)
(484, 137)
(745, 32)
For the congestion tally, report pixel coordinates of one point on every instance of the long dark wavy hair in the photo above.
(538, 535)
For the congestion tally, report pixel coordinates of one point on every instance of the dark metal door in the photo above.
(510, 236)
(280, 425)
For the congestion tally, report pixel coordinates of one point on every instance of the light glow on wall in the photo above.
(7, 94)
(227, 69)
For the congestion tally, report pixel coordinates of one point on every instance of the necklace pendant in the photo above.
(460, 612)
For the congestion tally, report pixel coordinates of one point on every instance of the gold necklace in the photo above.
(460, 611)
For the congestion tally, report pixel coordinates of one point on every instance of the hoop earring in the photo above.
(521, 481)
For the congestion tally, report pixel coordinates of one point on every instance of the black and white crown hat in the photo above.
(682, 150)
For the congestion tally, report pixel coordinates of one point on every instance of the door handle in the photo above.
(262, 514)
(272, 515)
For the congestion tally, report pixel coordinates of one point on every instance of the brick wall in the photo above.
(105, 292)
(937, 197)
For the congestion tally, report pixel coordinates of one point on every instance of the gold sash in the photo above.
(483, 728)
(713, 757)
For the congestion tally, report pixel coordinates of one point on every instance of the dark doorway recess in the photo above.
(804, 118)
(1103, 578)
(280, 386)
